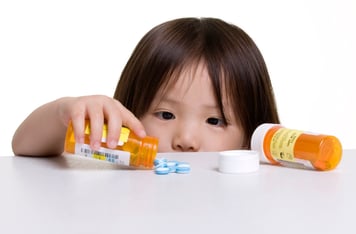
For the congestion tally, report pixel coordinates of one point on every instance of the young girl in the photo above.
(198, 84)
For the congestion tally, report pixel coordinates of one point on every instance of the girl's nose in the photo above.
(186, 139)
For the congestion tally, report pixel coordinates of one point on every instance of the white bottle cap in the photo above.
(238, 161)
(258, 137)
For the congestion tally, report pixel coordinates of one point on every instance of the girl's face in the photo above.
(186, 117)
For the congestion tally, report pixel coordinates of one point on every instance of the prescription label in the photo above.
(124, 134)
(110, 155)
(282, 144)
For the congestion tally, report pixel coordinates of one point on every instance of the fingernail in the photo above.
(80, 140)
(96, 145)
(112, 144)
(141, 134)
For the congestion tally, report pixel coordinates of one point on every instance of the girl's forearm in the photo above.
(42, 133)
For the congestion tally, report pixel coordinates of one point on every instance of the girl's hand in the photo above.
(98, 109)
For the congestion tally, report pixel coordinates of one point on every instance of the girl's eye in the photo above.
(216, 122)
(165, 115)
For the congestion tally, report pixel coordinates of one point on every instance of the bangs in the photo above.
(190, 66)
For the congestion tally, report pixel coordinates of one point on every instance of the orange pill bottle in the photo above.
(131, 150)
(295, 148)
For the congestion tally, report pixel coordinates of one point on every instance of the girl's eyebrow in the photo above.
(174, 101)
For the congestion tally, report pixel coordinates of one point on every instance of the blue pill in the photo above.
(159, 161)
(162, 170)
(172, 162)
(183, 168)
(172, 165)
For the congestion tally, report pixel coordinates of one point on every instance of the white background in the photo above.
(50, 49)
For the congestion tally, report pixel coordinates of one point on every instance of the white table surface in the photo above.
(67, 194)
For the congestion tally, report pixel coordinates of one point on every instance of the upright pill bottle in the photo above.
(131, 150)
(295, 148)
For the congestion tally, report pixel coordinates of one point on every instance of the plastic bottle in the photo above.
(294, 148)
(131, 150)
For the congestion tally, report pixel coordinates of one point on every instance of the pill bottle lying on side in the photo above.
(294, 148)
(131, 150)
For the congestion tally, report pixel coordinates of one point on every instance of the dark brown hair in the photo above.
(235, 65)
